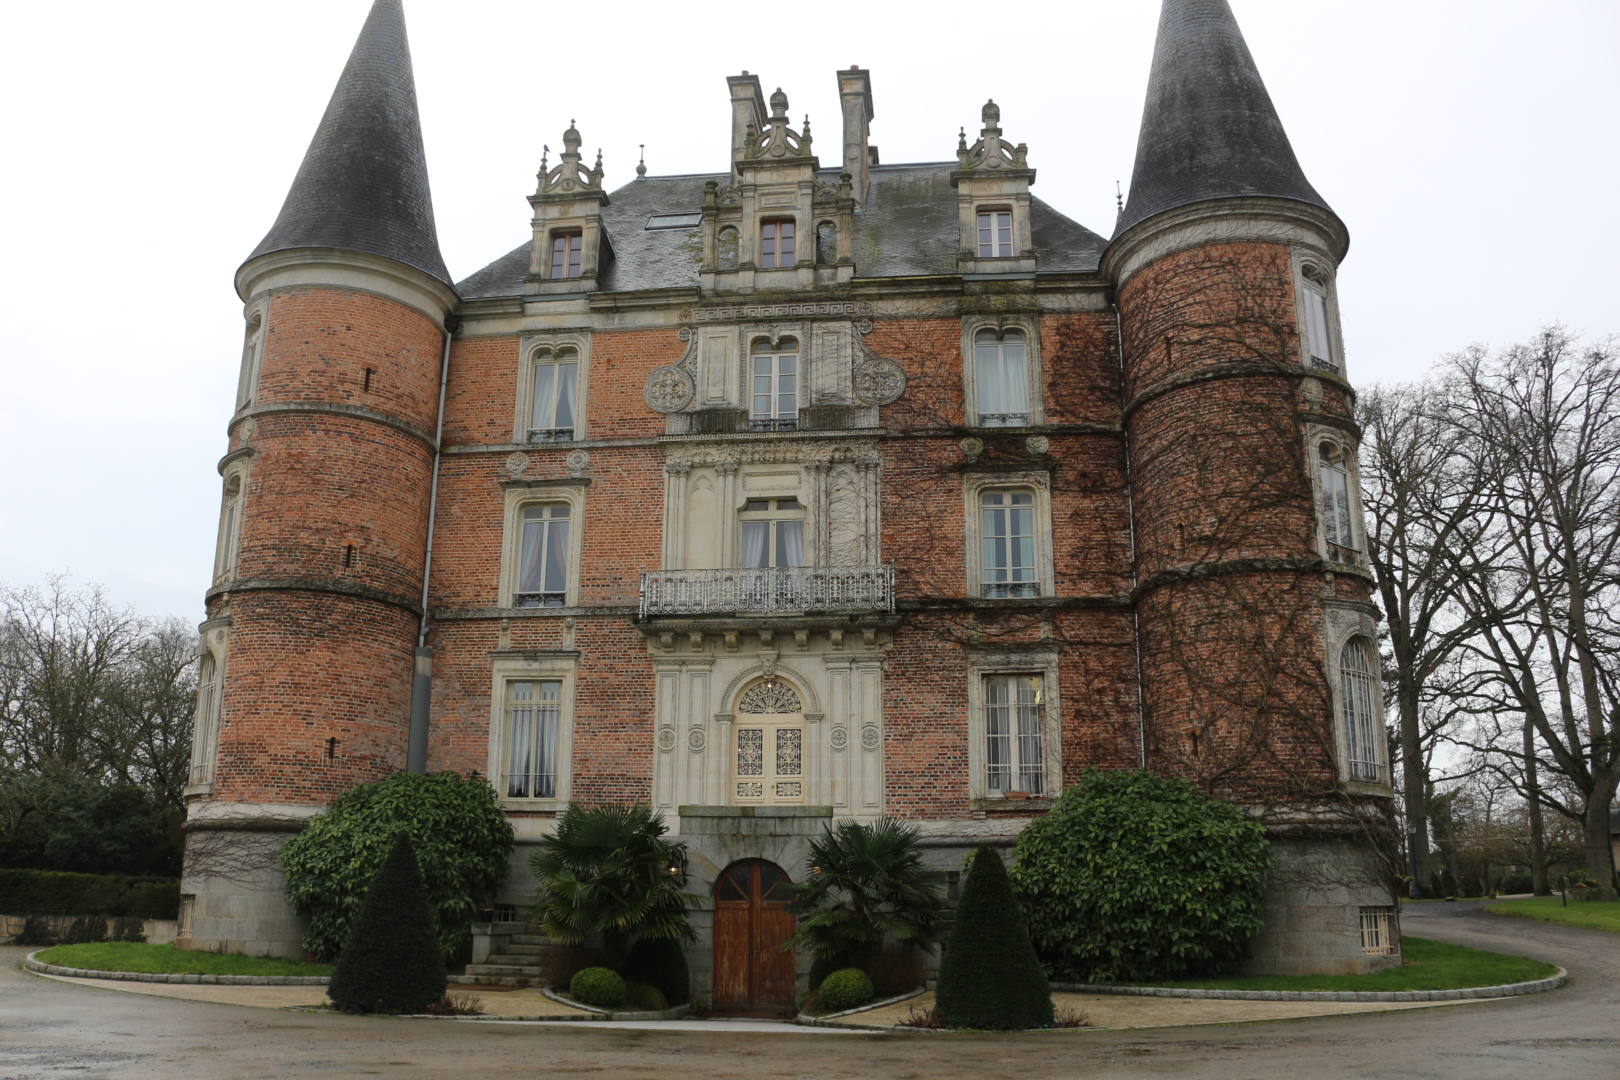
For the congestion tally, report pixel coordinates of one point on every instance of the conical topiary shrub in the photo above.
(392, 962)
(989, 977)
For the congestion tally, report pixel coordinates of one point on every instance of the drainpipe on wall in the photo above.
(422, 674)
(1130, 513)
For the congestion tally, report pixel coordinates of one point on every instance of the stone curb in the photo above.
(195, 980)
(594, 1013)
(814, 1021)
(1472, 993)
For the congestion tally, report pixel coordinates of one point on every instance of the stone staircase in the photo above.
(516, 957)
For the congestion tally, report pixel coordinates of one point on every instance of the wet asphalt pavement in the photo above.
(51, 1030)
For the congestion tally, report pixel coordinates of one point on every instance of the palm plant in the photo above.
(609, 870)
(866, 884)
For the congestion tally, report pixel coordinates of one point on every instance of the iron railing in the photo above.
(767, 590)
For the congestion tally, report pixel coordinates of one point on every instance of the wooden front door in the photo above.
(752, 972)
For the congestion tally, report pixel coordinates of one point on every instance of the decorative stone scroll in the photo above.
(879, 381)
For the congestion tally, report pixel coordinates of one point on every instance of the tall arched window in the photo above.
(1001, 378)
(1361, 701)
(774, 385)
(553, 394)
(1007, 543)
(1314, 285)
(230, 526)
(205, 729)
(252, 350)
(1337, 521)
(542, 573)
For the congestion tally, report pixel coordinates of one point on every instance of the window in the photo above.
(1001, 378)
(774, 382)
(1375, 935)
(826, 243)
(772, 533)
(995, 234)
(768, 745)
(1013, 760)
(230, 526)
(542, 577)
(1337, 527)
(1318, 324)
(674, 221)
(725, 257)
(533, 715)
(252, 351)
(1360, 700)
(205, 731)
(566, 248)
(553, 391)
(776, 243)
(1007, 544)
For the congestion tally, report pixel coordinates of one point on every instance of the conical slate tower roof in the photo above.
(363, 185)
(1209, 130)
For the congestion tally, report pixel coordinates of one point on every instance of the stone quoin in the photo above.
(814, 488)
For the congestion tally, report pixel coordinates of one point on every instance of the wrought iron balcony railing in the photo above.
(767, 590)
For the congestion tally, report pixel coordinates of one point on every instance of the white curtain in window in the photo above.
(756, 538)
(543, 557)
(552, 402)
(790, 543)
(532, 717)
(1029, 735)
(997, 735)
(1007, 543)
(1001, 377)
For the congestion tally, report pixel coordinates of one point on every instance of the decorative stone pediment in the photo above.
(991, 151)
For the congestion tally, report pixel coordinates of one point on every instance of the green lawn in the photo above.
(167, 960)
(1595, 914)
(1430, 965)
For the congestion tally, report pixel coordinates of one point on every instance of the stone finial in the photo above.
(779, 105)
(641, 166)
(991, 115)
(991, 151)
(570, 175)
(779, 140)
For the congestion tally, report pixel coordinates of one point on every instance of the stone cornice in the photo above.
(1224, 221)
(320, 585)
(356, 412)
(356, 271)
(1200, 571)
(1211, 373)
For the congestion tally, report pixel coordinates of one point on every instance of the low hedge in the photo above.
(54, 892)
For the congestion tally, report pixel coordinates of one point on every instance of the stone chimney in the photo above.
(855, 94)
(747, 111)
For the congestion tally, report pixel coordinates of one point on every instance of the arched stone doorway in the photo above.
(752, 972)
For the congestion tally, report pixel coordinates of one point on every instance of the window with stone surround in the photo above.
(1001, 374)
(252, 355)
(1014, 748)
(768, 745)
(1008, 520)
(776, 239)
(995, 232)
(205, 727)
(1338, 496)
(553, 394)
(230, 527)
(1318, 318)
(531, 727)
(773, 385)
(541, 545)
(1360, 703)
(567, 246)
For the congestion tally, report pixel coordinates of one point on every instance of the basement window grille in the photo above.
(1375, 937)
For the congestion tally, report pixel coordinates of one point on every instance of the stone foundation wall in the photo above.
(1312, 909)
(233, 895)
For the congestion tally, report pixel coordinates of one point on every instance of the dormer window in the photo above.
(567, 246)
(776, 243)
(995, 234)
(774, 386)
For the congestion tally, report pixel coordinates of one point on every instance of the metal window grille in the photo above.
(1358, 683)
(1375, 935)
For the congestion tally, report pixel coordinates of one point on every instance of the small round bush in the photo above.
(644, 997)
(598, 986)
(847, 988)
(661, 963)
(1136, 876)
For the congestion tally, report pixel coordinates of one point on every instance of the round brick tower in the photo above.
(314, 611)
(1250, 583)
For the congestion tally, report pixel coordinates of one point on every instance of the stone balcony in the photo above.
(794, 590)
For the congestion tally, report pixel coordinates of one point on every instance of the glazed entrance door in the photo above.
(752, 972)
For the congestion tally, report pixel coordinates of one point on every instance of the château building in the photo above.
(813, 488)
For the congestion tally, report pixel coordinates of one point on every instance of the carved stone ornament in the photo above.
(1037, 444)
(879, 381)
(770, 698)
(516, 462)
(869, 738)
(666, 740)
(695, 740)
(577, 461)
(669, 389)
(839, 738)
(972, 447)
(246, 430)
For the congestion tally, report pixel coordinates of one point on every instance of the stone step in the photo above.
(530, 939)
(517, 981)
(514, 958)
(529, 970)
(511, 948)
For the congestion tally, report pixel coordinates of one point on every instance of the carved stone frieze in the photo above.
(734, 312)
(700, 455)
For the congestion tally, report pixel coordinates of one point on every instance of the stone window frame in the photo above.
(1341, 627)
(1313, 271)
(974, 485)
(1316, 437)
(1377, 924)
(228, 537)
(776, 216)
(256, 317)
(991, 206)
(214, 639)
(1031, 327)
(525, 666)
(521, 493)
(1041, 662)
(774, 333)
(531, 348)
(552, 236)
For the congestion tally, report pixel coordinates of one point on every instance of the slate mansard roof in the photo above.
(907, 228)
(1209, 129)
(363, 185)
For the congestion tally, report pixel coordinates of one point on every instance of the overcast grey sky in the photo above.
(1470, 145)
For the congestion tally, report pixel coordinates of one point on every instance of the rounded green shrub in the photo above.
(1136, 876)
(989, 977)
(644, 997)
(660, 963)
(457, 828)
(392, 962)
(847, 988)
(598, 986)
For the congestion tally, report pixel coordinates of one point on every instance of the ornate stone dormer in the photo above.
(992, 179)
(570, 248)
(776, 226)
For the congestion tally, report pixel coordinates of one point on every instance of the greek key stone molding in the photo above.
(734, 312)
(879, 381)
(772, 453)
